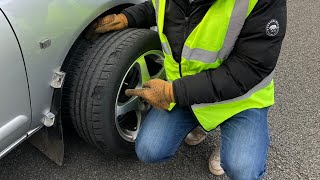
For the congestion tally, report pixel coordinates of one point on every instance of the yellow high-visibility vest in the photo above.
(208, 45)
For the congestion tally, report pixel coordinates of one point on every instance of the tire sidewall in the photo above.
(144, 43)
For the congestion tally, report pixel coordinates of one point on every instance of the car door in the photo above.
(15, 112)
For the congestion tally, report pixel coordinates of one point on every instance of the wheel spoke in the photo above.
(131, 105)
(144, 73)
(132, 134)
(160, 75)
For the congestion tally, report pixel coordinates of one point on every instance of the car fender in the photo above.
(57, 23)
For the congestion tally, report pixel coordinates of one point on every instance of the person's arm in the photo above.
(141, 15)
(253, 58)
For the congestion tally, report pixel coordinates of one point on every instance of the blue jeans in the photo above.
(244, 140)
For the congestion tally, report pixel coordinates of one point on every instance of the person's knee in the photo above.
(242, 169)
(149, 153)
(146, 154)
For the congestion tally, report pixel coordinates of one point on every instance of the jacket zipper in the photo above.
(185, 34)
(186, 25)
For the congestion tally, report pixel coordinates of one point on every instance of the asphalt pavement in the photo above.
(294, 126)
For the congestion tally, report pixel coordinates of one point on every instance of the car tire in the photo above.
(97, 75)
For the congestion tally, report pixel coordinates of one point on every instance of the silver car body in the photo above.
(26, 70)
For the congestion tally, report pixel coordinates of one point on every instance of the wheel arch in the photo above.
(86, 26)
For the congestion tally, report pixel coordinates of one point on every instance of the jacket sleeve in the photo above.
(141, 15)
(253, 58)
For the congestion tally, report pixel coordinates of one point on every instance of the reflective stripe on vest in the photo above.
(237, 19)
(264, 83)
(166, 48)
(208, 45)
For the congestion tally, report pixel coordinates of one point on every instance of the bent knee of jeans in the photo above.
(151, 154)
(242, 170)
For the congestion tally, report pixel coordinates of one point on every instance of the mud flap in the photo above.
(50, 140)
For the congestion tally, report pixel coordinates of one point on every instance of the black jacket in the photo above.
(253, 58)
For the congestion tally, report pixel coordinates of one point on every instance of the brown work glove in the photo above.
(112, 22)
(108, 23)
(157, 92)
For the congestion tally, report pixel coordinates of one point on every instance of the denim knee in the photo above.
(150, 154)
(242, 170)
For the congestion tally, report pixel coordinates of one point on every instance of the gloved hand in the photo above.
(105, 24)
(157, 92)
(112, 22)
